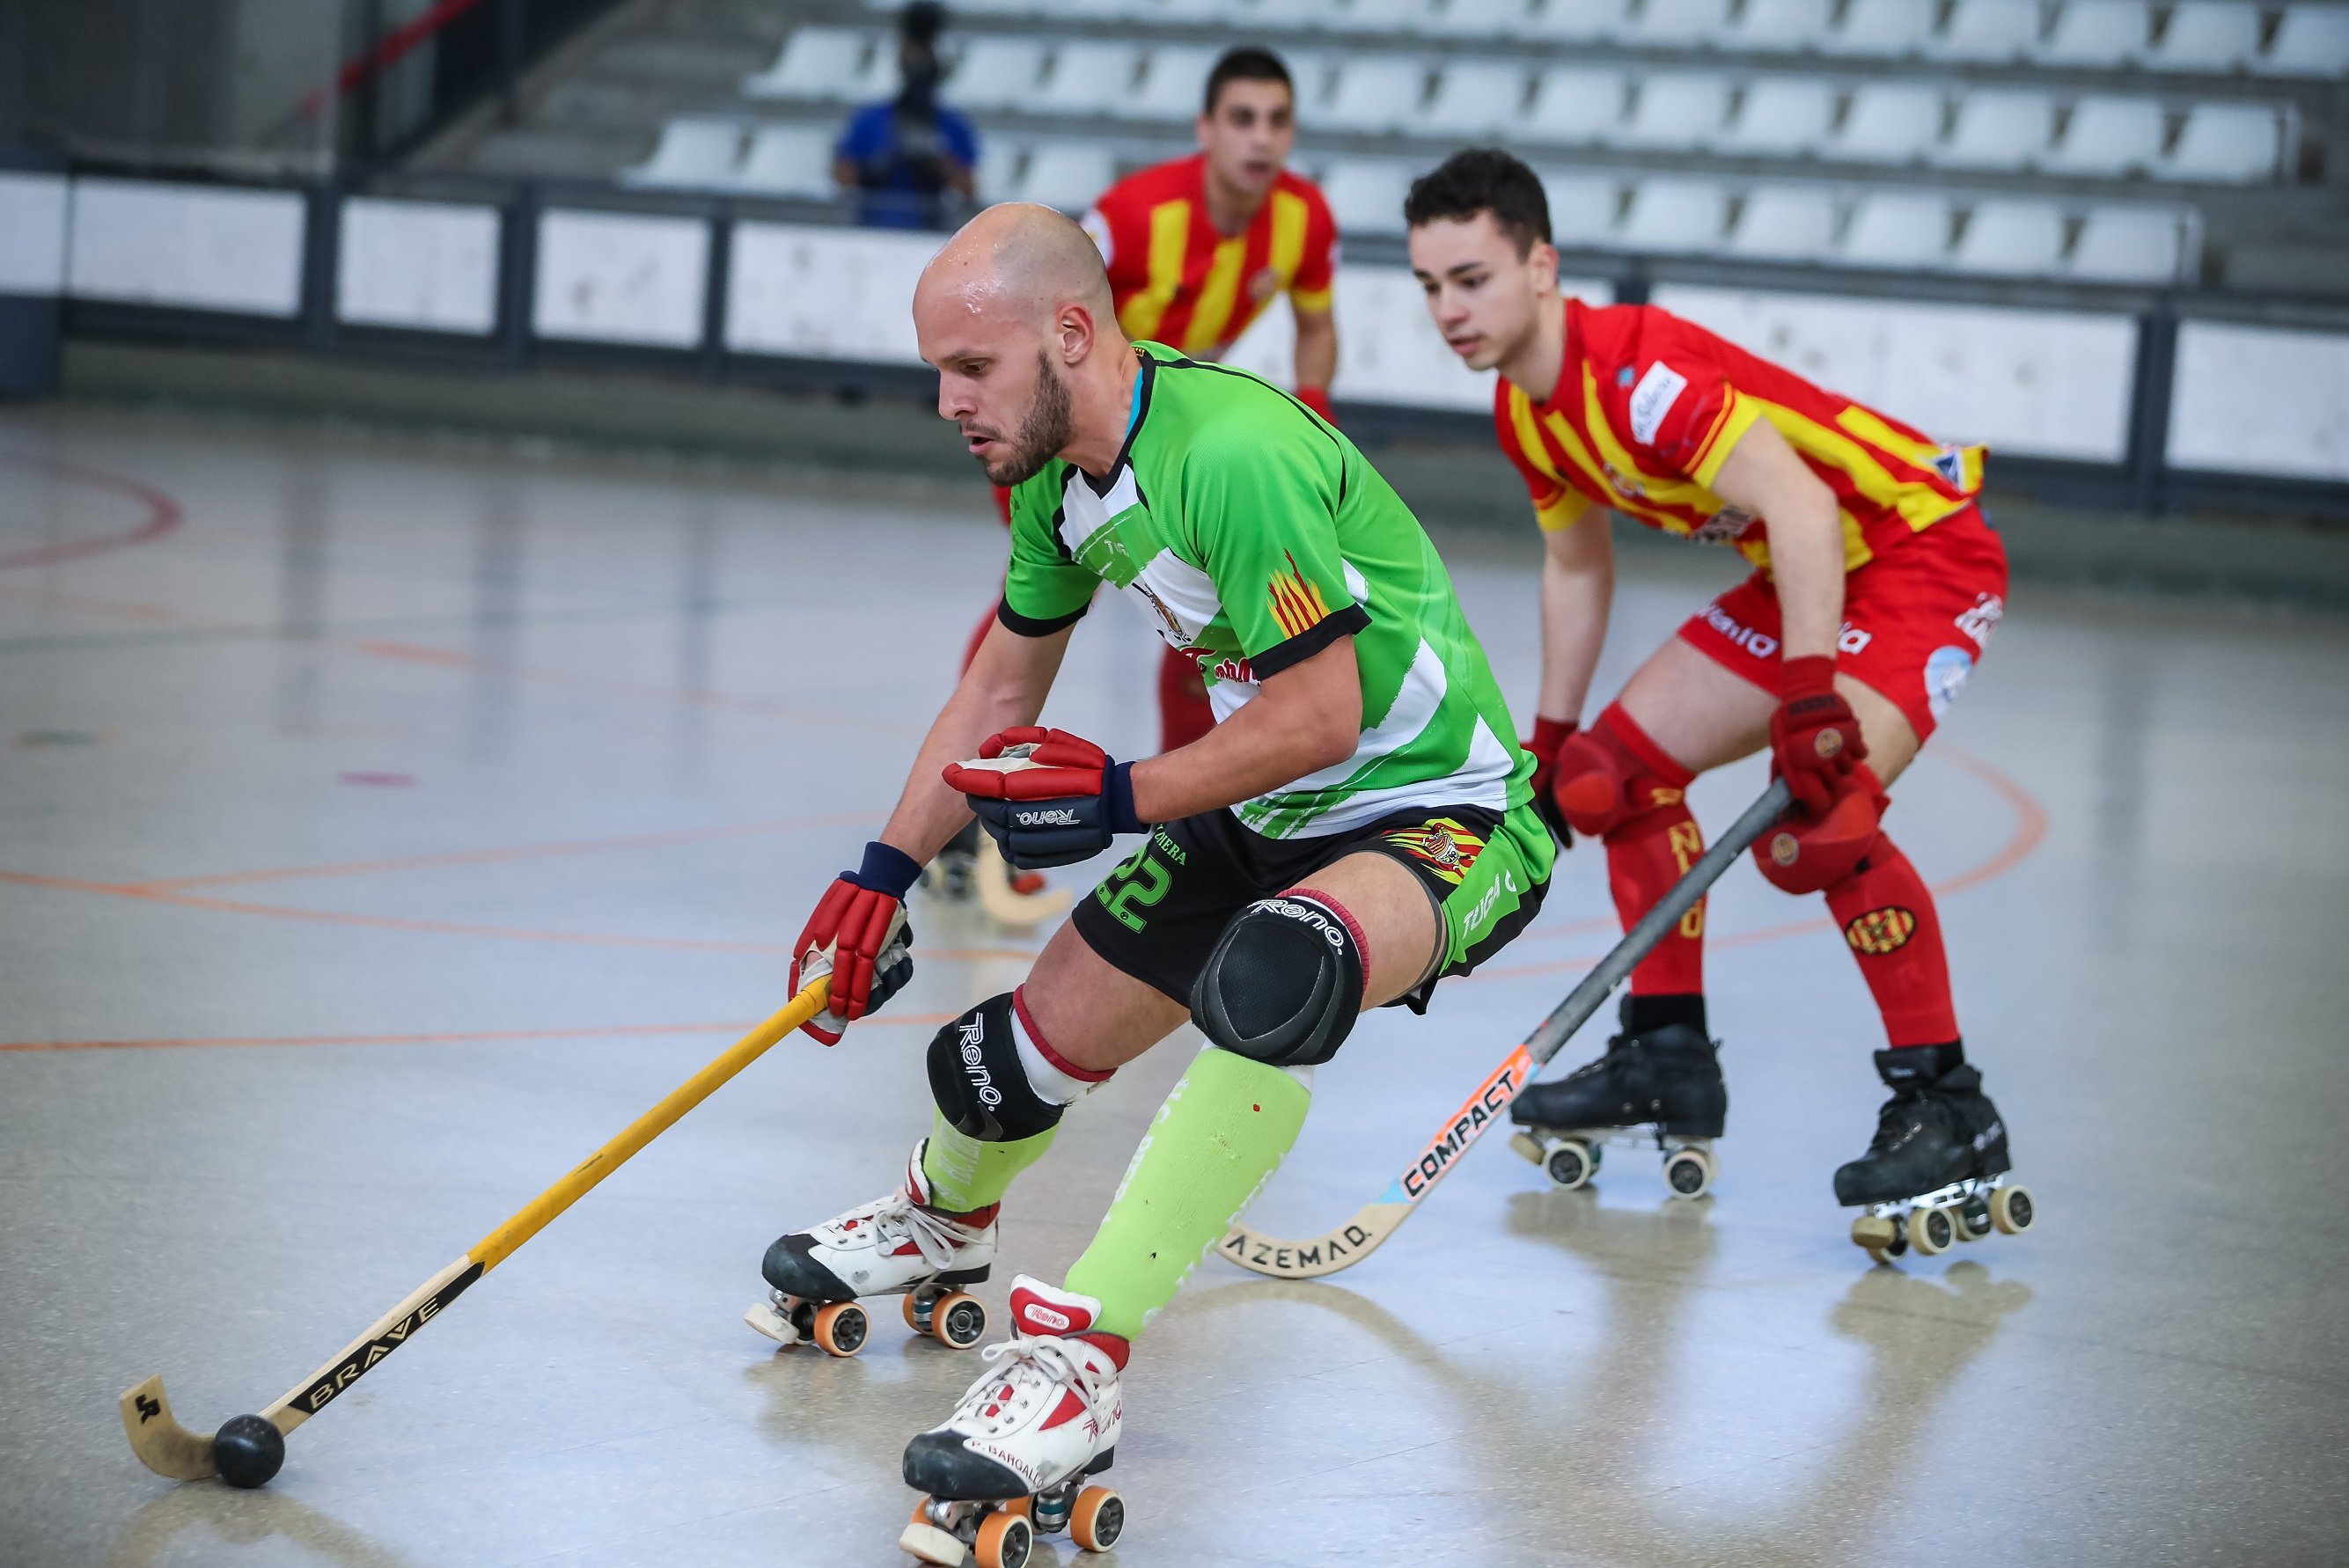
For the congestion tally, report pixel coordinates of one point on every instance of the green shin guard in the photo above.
(1225, 1129)
(965, 1173)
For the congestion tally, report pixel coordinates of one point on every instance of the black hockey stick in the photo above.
(1355, 1240)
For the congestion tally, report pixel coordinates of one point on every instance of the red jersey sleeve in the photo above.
(1671, 397)
(1119, 227)
(1314, 288)
(1556, 504)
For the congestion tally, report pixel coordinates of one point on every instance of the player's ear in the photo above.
(1072, 330)
(1199, 129)
(1544, 265)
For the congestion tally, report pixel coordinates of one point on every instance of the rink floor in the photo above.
(385, 824)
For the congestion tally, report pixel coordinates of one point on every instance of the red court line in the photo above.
(163, 513)
(911, 1020)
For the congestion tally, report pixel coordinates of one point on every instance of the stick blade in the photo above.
(1342, 1248)
(163, 1444)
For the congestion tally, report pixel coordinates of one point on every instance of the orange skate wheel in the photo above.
(921, 1510)
(1025, 1507)
(840, 1328)
(1005, 1541)
(1098, 1520)
(959, 1321)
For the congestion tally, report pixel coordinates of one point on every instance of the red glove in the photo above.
(1549, 734)
(1317, 399)
(1049, 797)
(1815, 740)
(858, 935)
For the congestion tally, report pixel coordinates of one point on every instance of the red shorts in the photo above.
(1914, 621)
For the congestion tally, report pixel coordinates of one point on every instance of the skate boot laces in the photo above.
(1024, 1371)
(898, 1218)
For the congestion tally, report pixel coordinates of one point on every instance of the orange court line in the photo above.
(911, 1020)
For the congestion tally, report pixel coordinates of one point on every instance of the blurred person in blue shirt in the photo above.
(906, 156)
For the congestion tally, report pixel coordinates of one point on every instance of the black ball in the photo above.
(247, 1451)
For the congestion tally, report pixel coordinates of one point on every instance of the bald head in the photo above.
(1023, 262)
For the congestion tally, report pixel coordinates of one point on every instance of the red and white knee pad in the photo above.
(1613, 781)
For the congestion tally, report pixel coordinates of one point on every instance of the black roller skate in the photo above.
(1662, 1087)
(1937, 1171)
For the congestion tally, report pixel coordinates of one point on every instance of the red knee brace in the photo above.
(1894, 934)
(1616, 784)
(1803, 855)
(1611, 773)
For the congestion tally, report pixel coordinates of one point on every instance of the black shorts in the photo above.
(1159, 914)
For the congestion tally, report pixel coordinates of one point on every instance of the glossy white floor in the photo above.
(387, 824)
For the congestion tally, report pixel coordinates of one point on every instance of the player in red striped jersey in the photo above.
(1877, 585)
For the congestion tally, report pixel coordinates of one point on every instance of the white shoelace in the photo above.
(1039, 1364)
(899, 1218)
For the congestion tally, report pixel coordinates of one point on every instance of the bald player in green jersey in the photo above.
(1357, 826)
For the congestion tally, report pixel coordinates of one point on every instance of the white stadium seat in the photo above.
(1783, 116)
(816, 62)
(1882, 29)
(1890, 123)
(1677, 110)
(789, 161)
(1089, 77)
(996, 72)
(1575, 103)
(1487, 18)
(2227, 143)
(1582, 209)
(1786, 225)
(2019, 239)
(2127, 245)
(2311, 41)
(1999, 128)
(1680, 25)
(1899, 231)
(1782, 26)
(2101, 33)
(1675, 215)
(1372, 92)
(1994, 32)
(1476, 98)
(701, 153)
(2209, 36)
(1389, 16)
(1174, 84)
(1366, 197)
(2110, 136)
(1579, 21)
(1070, 175)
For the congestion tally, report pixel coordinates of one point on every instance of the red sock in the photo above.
(1184, 715)
(1890, 923)
(1649, 851)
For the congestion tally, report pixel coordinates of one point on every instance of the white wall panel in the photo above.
(2047, 384)
(32, 233)
(425, 264)
(2253, 399)
(825, 294)
(613, 277)
(190, 246)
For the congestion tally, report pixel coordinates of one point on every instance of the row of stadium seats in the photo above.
(1897, 122)
(1651, 214)
(2203, 37)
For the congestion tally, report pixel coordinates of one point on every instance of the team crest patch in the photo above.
(1881, 931)
(1297, 604)
(1441, 845)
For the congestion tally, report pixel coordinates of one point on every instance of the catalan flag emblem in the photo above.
(1297, 604)
(1881, 931)
(1441, 845)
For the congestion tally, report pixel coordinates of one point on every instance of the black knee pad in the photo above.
(977, 1080)
(1283, 985)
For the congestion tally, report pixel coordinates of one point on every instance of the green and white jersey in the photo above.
(1255, 535)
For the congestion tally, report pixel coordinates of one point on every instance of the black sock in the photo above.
(1645, 1014)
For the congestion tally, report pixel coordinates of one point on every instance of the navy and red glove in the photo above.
(1815, 740)
(1048, 798)
(1549, 735)
(1317, 399)
(858, 935)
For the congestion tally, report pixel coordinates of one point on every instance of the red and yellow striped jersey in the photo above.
(1178, 281)
(1649, 406)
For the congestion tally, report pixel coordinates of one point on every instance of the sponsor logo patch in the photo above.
(1654, 398)
(1950, 464)
(1981, 620)
(1760, 644)
(1946, 669)
(1881, 931)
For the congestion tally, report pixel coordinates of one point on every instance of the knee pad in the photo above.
(1612, 776)
(1803, 855)
(1284, 984)
(993, 1078)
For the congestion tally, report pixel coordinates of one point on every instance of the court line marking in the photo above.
(163, 513)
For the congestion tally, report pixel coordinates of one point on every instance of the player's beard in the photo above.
(1050, 424)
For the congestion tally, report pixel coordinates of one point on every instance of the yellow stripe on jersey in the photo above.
(1729, 426)
(1919, 505)
(1289, 218)
(1921, 454)
(1217, 293)
(1170, 247)
(1660, 489)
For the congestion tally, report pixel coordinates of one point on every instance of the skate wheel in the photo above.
(1528, 1147)
(1005, 1541)
(917, 1317)
(1098, 1520)
(1879, 1235)
(957, 1321)
(1930, 1232)
(1569, 1164)
(840, 1328)
(926, 1542)
(1972, 1218)
(2009, 1210)
(1688, 1172)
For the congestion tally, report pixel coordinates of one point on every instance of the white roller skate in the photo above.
(1015, 1458)
(896, 1245)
